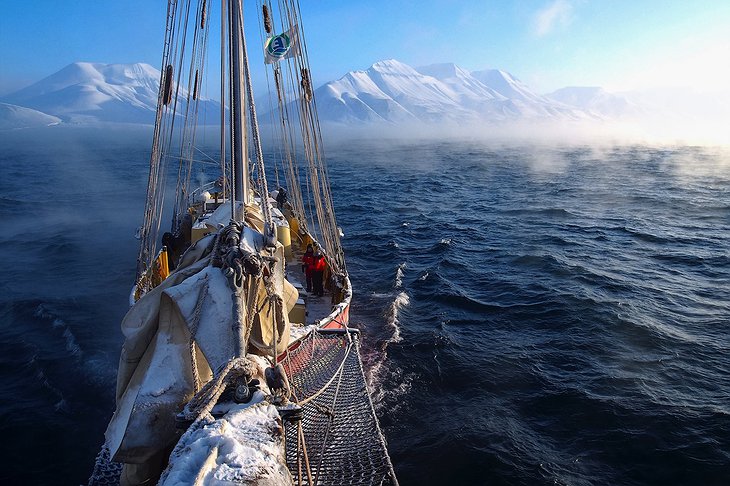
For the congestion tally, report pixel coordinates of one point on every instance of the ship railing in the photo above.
(198, 191)
(152, 277)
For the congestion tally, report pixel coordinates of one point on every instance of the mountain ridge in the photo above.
(88, 92)
(392, 91)
(389, 91)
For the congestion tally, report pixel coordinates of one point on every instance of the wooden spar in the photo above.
(267, 19)
(167, 86)
(237, 113)
(195, 86)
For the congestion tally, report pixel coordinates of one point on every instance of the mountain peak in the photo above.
(392, 66)
(89, 91)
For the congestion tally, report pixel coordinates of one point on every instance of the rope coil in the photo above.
(202, 403)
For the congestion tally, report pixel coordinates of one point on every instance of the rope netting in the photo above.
(340, 431)
(342, 436)
(106, 472)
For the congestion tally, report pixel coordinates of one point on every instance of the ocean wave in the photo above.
(401, 300)
(12, 204)
(716, 261)
(441, 246)
(399, 275)
(72, 345)
(549, 212)
(34, 366)
(646, 236)
(540, 261)
(388, 384)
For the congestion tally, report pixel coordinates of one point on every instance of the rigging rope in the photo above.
(314, 212)
(261, 170)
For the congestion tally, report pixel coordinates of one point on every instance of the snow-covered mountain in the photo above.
(389, 91)
(507, 85)
(393, 91)
(85, 92)
(597, 101)
(13, 116)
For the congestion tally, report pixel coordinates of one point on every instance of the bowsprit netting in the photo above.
(340, 432)
(106, 472)
(341, 435)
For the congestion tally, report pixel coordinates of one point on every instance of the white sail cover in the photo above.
(155, 377)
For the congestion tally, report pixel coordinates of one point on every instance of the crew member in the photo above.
(307, 264)
(318, 267)
(281, 198)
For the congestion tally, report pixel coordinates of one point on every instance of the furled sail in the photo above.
(222, 347)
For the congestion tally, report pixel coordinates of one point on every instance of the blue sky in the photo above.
(618, 44)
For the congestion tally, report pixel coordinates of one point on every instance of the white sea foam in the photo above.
(72, 346)
(445, 241)
(35, 366)
(399, 275)
(379, 371)
(42, 312)
(375, 379)
(383, 396)
(61, 406)
(401, 300)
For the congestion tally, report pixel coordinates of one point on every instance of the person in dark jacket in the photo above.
(307, 262)
(318, 267)
(281, 198)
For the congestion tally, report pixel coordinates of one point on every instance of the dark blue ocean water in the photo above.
(531, 314)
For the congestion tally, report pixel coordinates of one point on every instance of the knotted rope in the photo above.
(202, 403)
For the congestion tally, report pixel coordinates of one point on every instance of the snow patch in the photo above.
(244, 446)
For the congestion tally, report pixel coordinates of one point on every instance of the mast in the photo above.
(237, 117)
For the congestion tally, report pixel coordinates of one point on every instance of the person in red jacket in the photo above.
(318, 267)
(307, 262)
